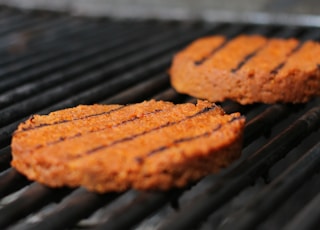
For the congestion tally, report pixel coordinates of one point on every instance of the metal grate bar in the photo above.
(5, 158)
(65, 62)
(170, 95)
(75, 207)
(32, 199)
(58, 52)
(139, 92)
(11, 181)
(139, 209)
(277, 192)
(32, 88)
(264, 121)
(69, 31)
(89, 39)
(309, 217)
(13, 41)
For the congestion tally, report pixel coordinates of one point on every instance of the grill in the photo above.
(52, 61)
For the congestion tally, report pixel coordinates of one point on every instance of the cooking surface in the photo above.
(51, 61)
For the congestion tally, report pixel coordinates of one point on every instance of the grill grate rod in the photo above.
(22, 24)
(140, 91)
(170, 94)
(5, 158)
(66, 62)
(141, 207)
(10, 18)
(32, 88)
(68, 32)
(277, 192)
(78, 205)
(251, 169)
(309, 217)
(11, 181)
(16, 41)
(32, 199)
(264, 121)
(102, 36)
(110, 33)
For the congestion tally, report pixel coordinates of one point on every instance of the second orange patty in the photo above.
(248, 69)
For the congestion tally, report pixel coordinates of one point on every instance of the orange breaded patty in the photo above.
(152, 145)
(248, 69)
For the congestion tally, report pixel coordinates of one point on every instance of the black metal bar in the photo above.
(21, 24)
(138, 209)
(29, 89)
(5, 158)
(170, 95)
(139, 92)
(6, 133)
(114, 85)
(66, 32)
(70, 32)
(61, 50)
(17, 38)
(308, 218)
(264, 121)
(32, 199)
(255, 166)
(11, 181)
(78, 205)
(277, 192)
(84, 55)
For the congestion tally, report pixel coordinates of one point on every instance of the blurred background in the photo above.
(176, 9)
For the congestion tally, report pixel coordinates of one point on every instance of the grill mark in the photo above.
(61, 139)
(304, 59)
(94, 150)
(281, 65)
(185, 139)
(278, 68)
(236, 50)
(247, 58)
(213, 52)
(66, 121)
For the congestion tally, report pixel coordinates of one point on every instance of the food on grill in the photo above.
(248, 69)
(152, 145)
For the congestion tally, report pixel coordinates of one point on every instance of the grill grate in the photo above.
(51, 61)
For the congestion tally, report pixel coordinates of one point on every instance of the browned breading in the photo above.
(153, 145)
(248, 69)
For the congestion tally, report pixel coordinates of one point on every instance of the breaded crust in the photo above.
(248, 69)
(153, 145)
